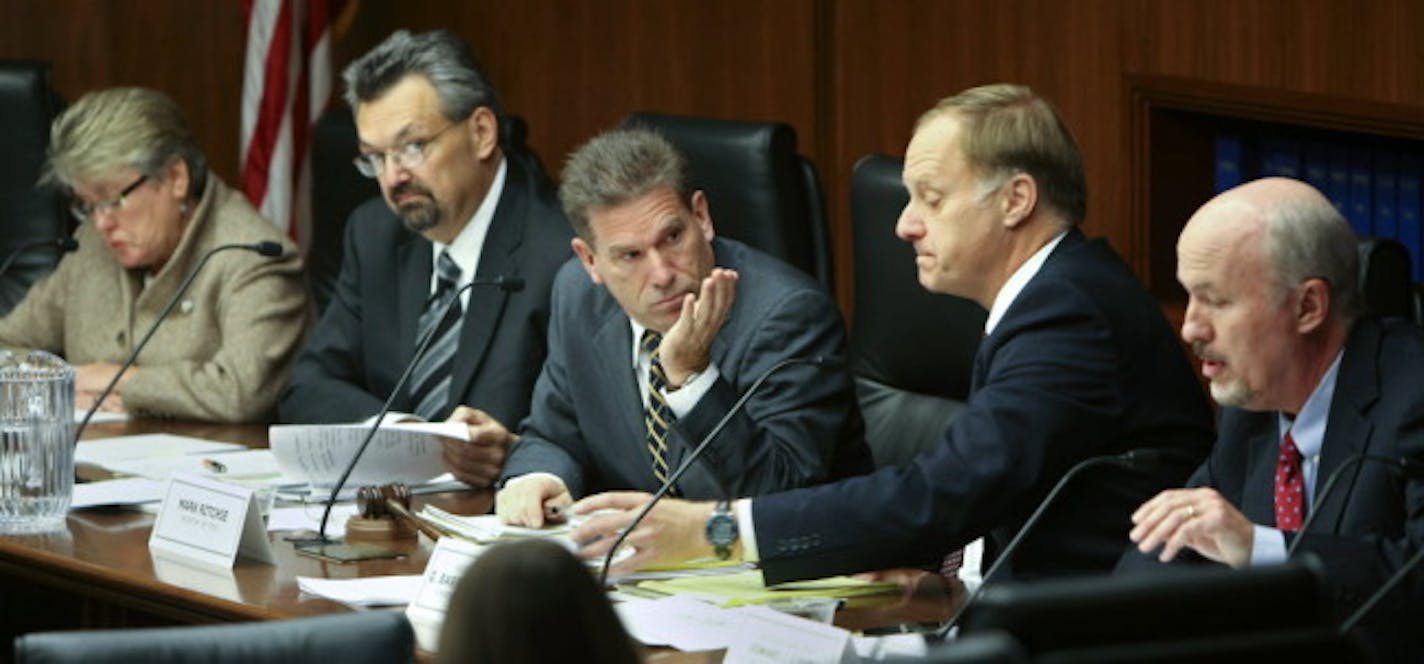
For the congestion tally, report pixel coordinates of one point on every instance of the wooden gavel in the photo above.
(383, 512)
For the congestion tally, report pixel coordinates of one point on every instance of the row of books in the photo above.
(1375, 187)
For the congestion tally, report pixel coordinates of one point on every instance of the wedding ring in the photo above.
(1191, 512)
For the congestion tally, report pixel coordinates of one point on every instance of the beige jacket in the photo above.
(222, 355)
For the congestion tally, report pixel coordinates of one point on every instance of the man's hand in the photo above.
(530, 500)
(90, 381)
(673, 532)
(1197, 518)
(687, 347)
(478, 461)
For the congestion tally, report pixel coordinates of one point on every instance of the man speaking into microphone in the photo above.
(657, 328)
(1305, 381)
(1077, 362)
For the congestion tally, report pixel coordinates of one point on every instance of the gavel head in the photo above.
(371, 500)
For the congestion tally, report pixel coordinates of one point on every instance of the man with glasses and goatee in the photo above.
(456, 208)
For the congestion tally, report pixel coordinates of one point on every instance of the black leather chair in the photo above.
(760, 190)
(372, 637)
(337, 188)
(912, 351)
(1385, 271)
(28, 104)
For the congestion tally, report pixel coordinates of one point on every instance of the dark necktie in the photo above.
(430, 382)
(1290, 487)
(658, 416)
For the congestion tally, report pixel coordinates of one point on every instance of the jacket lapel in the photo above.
(1348, 431)
(1258, 493)
(498, 257)
(413, 266)
(613, 346)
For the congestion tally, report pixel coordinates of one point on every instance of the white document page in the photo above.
(366, 591)
(257, 467)
(99, 416)
(127, 491)
(104, 451)
(409, 453)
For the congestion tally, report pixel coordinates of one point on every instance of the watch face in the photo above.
(722, 530)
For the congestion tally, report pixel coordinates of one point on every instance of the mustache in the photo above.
(409, 188)
(1199, 349)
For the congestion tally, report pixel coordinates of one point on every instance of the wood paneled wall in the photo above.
(850, 75)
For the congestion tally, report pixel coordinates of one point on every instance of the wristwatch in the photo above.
(722, 529)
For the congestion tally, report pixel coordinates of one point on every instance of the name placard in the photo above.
(447, 564)
(765, 636)
(209, 521)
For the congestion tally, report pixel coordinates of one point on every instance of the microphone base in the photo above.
(341, 552)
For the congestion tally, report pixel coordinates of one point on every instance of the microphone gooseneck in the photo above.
(1378, 595)
(263, 248)
(819, 360)
(509, 284)
(1136, 458)
(1408, 467)
(64, 244)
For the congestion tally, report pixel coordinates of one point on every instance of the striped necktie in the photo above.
(658, 416)
(430, 381)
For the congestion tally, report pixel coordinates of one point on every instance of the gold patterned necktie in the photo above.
(658, 416)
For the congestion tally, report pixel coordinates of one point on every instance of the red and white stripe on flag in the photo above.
(286, 83)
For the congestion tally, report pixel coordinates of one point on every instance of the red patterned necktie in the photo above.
(1290, 487)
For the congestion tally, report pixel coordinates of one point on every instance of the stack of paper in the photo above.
(151, 459)
(747, 588)
(486, 528)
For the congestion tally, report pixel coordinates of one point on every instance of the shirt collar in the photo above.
(1017, 281)
(1308, 428)
(465, 250)
(637, 341)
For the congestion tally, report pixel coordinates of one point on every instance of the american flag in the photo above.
(287, 81)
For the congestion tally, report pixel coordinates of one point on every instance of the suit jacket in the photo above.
(367, 336)
(803, 426)
(220, 353)
(1082, 364)
(1373, 519)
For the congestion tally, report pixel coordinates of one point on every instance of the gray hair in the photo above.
(1307, 238)
(618, 166)
(109, 130)
(1009, 129)
(439, 56)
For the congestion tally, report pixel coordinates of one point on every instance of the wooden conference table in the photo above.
(98, 573)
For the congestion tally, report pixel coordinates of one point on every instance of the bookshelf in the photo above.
(1177, 127)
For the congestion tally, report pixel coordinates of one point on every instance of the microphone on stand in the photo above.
(268, 249)
(1403, 465)
(819, 360)
(1135, 458)
(508, 284)
(64, 244)
(1378, 595)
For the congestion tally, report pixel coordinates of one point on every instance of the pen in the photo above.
(215, 466)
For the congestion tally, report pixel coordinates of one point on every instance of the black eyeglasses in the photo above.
(85, 211)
